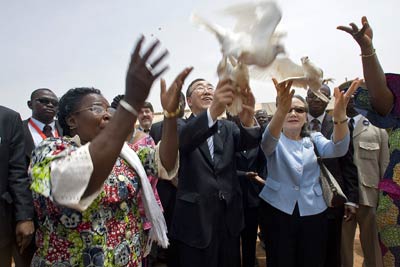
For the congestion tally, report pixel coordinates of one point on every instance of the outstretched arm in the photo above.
(170, 104)
(380, 96)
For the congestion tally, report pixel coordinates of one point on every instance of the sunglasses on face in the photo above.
(298, 110)
(46, 101)
(98, 110)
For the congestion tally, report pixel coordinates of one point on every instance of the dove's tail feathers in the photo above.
(202, 23)
(329, 80)
(236, 106)
(320, 95)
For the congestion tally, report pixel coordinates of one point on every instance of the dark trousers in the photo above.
(223, 250)
(335, 219)
(248, 236)
(294, 240)
(5, 256)
(24, 259)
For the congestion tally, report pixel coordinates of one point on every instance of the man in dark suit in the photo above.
(44, 105)
(39, 126)
(344, 171)
(167, 191)
(16, 204)
(208, 214)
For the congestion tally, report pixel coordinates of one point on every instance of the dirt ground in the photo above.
(358, 256)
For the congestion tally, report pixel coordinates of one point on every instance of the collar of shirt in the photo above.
(41, 124)
(320, 117)
(356, 119)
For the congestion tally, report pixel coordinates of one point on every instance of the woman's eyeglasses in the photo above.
(46, 101)
(98, 110)
(298, 110)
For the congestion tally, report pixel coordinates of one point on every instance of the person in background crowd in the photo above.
(292, 195)
(251, 165)
(145, 118)
(344, 171)
(16, 209)
(381, 105)
(39, 126)
(262, 117)
(371, 155)
(167, 191)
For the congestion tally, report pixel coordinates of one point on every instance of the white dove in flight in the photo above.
(253, 41)
(239, 74)
(307, 76)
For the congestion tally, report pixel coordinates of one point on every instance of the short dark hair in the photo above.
(39, 90)
(188, 91)
(69, 103)
(148, 105)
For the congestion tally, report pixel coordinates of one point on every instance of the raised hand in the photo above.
(141, 74)
(342, 99)
(363, 36)
(222, 97)
(284, 95)
(246, 116)
(170, 98)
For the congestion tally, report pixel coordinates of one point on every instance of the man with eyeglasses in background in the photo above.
(344, 171)
(41, 125)
(208, 215)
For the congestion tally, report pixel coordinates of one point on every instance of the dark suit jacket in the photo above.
(342, 168)
(251, 160)
(29, 143)
(16, 202)
(204, 182)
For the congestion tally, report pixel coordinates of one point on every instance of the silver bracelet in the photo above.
(128, 107)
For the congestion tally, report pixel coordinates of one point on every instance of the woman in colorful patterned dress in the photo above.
(86, 186)
(381, 105)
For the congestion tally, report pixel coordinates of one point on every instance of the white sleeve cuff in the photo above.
(211, 122)
(162, 172)
(70, 177)
(351, 204)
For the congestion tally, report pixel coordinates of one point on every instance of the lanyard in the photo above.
(40, 131)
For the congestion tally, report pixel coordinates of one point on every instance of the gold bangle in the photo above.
(340, 122)
(370, 55)
(172, 114)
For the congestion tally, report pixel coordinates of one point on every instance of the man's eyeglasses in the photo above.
(202, 89)
(298, 110)
(98, 110)
(46, 101)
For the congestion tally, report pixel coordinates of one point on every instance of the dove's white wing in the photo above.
(219, 31)
(298, 82)
(284, 67)
(244, 14)
(280, 69)
(269, 16)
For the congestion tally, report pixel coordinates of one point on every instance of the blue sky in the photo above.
(65, 44)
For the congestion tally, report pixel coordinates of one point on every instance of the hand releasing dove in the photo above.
(239, 74)
(307, 76)
(253, 41)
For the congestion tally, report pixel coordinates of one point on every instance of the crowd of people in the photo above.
(82, 186)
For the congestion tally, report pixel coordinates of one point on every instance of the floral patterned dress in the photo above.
(108, 233)
(388, 215)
